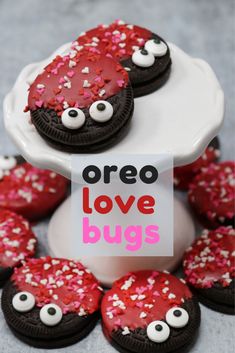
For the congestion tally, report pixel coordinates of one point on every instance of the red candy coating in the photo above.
(211, 259)
(212, 192)
(31, 192)
(141, 297)
(63, 282)
(17, 241)
(183, 176)
(118, 40)
(76, 80)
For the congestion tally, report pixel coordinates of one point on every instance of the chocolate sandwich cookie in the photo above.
(209, 267)
(51, 303)
(183, 176)
(144, 54)
(82, 102)
(150, 311)
(32, 192)
(17, 243)
(212, 194)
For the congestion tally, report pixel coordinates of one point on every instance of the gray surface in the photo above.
(30, 30)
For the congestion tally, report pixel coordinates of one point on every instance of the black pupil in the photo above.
(73, 113)
(101, 107)
(51, 311)
(23, 297)
(6, 157)
(158, 328)
(177, 313)
(157, 41)
(144, 52)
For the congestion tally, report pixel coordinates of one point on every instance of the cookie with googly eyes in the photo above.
(82, 102)
(144, 55)
(32, 192)
(209, 267)
(17, 243)
(212, 194)
(184, 175)
(51, 303)
(150, 311)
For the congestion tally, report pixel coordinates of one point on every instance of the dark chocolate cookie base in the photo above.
(152, 85)
(98, 147)
(92, 136)
(5, 274)
(57, 343)
(180, 340)
(221, 308)
(218, 298)
(29, 329)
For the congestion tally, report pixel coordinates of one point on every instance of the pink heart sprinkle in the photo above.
(70, 73)
(120, 83)
(39, 103)
(60, 99)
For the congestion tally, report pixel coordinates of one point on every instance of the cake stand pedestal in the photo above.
(181, 118)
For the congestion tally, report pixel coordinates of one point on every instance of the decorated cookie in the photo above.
(143, 54)
(212, 194)
(209, 267)
(183, 176)
(34, 193)
(82, 102)
(150, 311)
(17, 243)
(51, 303)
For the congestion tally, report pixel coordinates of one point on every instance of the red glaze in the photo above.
(76, 80)
(59, 281)
(183, 176)
(118, 40)
(141, 297)
(212, 192)
(17, 241)
(211, 259)
(31, 192)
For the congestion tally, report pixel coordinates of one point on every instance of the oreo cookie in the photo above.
(212, 194)
(17, 243)
(209, 267)
(150, 311)
(82, 102)
(32, 192)
(51, 303)
(144, 54)
(184, 175)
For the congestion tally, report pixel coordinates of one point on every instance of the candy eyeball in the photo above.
(158, 331)
(23, 302)
(51, 315)
(7, 163)
(156, 47)
(101, 111)
(73, 118)
(143, 58)
(177, 317)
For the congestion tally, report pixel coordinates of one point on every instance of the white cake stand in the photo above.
(181, 118)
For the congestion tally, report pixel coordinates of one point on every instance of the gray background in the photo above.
(31, 29)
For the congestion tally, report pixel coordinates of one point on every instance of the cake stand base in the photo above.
(108, 268)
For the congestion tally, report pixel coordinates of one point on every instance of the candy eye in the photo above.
(73, 118)
(101, 111)
(156, 47)
(158, 331)
(177, 317)
(51, 314)
(23, 302)
(7, 163)
(143, 58)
